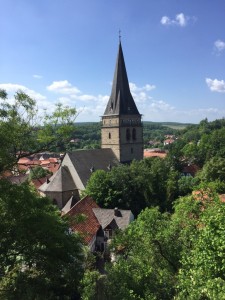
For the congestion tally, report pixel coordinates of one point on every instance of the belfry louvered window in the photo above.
(128, 134)
(134, 134)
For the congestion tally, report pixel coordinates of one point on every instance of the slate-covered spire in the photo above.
(121, 101)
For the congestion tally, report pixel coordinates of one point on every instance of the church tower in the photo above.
(122, 129)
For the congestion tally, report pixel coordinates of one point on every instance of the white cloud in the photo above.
(141, 94)
(13, 88)
(146, 88)
(91, 107)
(161, 106)
(37, 76)
(180, 20)
(216, 85)
(219, 46)
(163, 112)
(165, 20)
(63, 87)
(84, 97)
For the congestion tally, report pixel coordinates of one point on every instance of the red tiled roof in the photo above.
(28, 162)
(23, 167)
(88, 227)
(154, 154)
(203, 195)
(53, 167)
(38, 182)
(24, 160)
(168, 141)
(6, 174)
(44, 162)
(53, 160)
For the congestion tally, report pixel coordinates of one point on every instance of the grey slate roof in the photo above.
(87, 161)
(107, 217)
(61, 181)
(121, 101)
(69, 204)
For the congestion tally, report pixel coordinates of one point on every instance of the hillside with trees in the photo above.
(88, 135)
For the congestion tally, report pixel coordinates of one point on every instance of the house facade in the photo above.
(98, 225)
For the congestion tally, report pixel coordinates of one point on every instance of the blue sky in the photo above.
(65, 51)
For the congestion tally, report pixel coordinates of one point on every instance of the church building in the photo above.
(121, 142)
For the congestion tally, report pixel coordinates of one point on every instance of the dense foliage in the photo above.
(168, 256)
(136, 186)
(146, 183)
(39, 258)
(38, 172)
(164, 253)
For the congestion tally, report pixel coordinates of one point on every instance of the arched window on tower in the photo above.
(109, 135)
(134, 134)
(128, 134)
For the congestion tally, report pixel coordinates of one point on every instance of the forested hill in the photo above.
(88, 134)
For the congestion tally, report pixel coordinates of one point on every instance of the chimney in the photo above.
(116, 212)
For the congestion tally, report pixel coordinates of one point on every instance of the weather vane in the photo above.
(119, 35)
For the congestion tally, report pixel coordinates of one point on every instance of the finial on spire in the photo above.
(119, 35)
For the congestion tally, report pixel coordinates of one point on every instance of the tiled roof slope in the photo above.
(95, 159)
(121, 101)
(106, 216)
(88, 227)
(61, 181)
(38, 182)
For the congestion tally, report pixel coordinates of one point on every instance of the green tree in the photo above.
(186, 184)
(147, 259)
(146, 183)
(38, 172)
(202, 274)
(22, 132)
(213, 170)
(39, 258)
(176, 255)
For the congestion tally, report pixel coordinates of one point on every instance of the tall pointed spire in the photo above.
(121, 101)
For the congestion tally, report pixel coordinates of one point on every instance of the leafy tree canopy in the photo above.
(141, 184)
(38, 172)
(39, 259)
(22, 132)
(169, 256)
